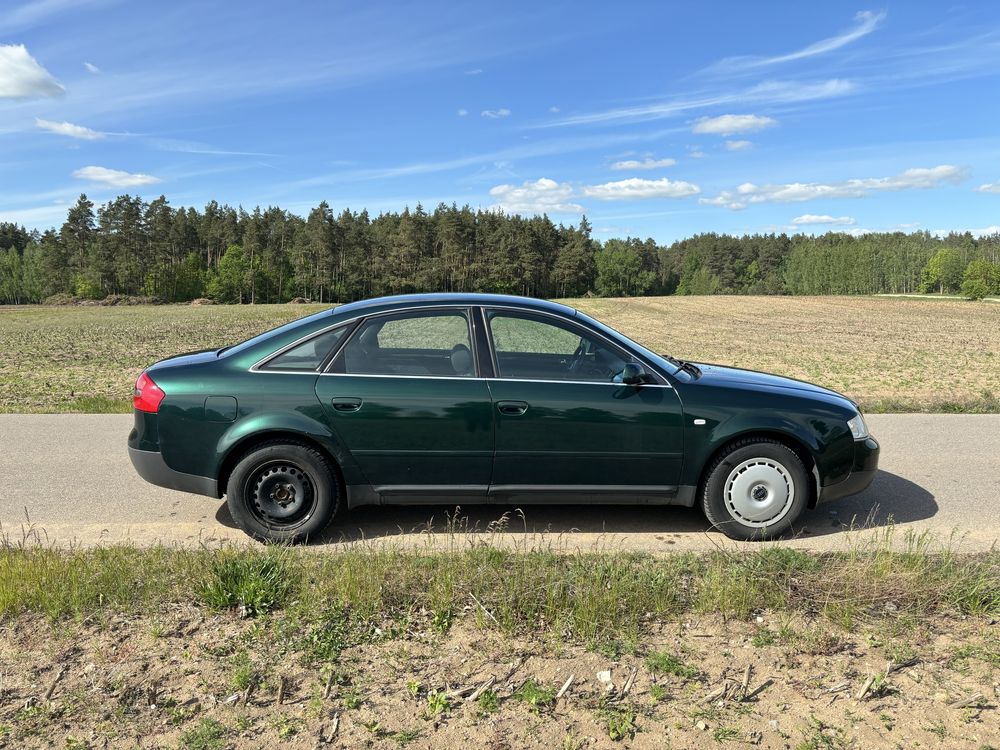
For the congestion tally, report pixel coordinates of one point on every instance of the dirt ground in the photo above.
(180, 678)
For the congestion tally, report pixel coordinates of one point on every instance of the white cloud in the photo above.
(647, 163)
(696, 153)
(474, 72)
(769, 92)
(980, 232)
(463, 112)
(636, 187)
(69, 129)
(867, 22)
(919, 178)
(738, 145)
(989, 187)
(37, 217)
(808, 219)
(21, 77)
(114, 177)
(91, 68)
(34, 12)
(554, 110)
(731, 124)
(495, 114)
(538, 197)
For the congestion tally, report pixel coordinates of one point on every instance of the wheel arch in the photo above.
(790, 441)
(239, 448)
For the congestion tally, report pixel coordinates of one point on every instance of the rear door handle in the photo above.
(346, 404)
(512, 408)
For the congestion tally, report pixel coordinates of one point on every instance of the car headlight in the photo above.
(858, 427)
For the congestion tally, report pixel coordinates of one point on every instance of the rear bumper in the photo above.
(151, 467)
(863, 472)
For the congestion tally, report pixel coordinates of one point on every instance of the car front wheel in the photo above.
(283, 492)
(755, 490)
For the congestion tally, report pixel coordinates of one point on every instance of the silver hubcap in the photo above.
(759, 492)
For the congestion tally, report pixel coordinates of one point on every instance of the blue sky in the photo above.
(655, 119)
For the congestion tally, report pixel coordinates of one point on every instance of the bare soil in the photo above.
(177, 678)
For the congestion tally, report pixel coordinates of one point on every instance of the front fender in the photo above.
(813, 425)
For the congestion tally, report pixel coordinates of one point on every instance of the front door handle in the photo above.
(512, 408)
(346, 404)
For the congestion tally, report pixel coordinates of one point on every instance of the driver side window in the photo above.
(533, 348)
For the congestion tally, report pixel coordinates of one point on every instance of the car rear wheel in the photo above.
(755, 490)
(283, 492)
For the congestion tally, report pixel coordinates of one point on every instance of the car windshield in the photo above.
(658, 359)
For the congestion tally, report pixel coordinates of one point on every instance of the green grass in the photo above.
(620, 723)
(255, 583)
(536, 695)
(661, 662)
(86, 359)
(335, 600)
(207, 735)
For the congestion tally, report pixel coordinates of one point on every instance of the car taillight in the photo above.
(147, 395)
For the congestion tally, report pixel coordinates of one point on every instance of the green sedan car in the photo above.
(475, 398)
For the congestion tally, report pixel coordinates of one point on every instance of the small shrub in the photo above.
(488, 702)
(288, 726)
(442, 620)
(662, 662)
(657, 692)
(405, 736)
(535, 695)
(763, 637)
(437, 703)
(255, 583)
(620, 724)
(207, 735)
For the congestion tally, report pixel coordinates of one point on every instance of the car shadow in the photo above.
(889, 499)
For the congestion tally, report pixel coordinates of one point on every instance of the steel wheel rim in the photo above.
(280, 494)
(759, 492)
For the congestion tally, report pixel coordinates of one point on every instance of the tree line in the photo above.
(132, 247)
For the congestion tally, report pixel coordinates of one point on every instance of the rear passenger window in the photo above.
(433, 344)
(308, 355)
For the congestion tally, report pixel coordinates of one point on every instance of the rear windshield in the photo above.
(273, 333)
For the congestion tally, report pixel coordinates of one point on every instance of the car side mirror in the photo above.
(633, 374)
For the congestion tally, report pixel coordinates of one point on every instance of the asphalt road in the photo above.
(66, 478)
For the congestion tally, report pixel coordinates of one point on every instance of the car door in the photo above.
(404, 396)
(565, 430)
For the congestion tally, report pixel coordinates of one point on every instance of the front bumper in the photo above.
(862, 473)
(151, 467)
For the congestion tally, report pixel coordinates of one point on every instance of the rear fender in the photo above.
(261, 424)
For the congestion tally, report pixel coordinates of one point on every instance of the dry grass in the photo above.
(889, 354)
(86, 359)
(245, 648)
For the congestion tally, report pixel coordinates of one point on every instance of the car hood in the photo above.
(721, 375)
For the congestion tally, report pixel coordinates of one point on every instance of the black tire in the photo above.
(743, 493)
(283, 492)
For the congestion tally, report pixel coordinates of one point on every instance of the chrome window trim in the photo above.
(613, 344)
(466, 309)
(445, 306)
(504, 380)
(261, 363)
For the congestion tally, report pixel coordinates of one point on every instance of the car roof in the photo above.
(382, 304)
